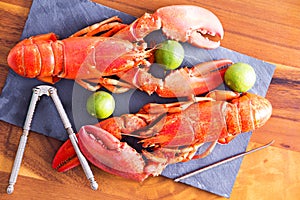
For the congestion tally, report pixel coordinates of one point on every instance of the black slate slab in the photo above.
(66, 17)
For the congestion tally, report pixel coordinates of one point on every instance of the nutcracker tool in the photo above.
(37, 93)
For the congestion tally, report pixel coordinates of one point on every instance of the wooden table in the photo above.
(261, 29)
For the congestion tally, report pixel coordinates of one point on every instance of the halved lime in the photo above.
(169, 54)
(100, 104)
(240, 77)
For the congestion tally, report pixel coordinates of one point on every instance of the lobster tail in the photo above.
(260, 110)
(37, 57)
(25, 60)
(244, 113)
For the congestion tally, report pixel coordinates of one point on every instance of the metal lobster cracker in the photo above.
(37, 93)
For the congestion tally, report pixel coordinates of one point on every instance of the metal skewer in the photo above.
(222, 162)
(37, 93)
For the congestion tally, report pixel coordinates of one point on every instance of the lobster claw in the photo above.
(192, 24)
(66, 158)
(104, 151)
(185, 23)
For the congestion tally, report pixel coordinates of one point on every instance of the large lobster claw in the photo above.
(191, 24)
(104, 151)
(185, 23)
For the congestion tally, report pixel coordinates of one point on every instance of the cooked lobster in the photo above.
(94, 61)
(166, 133)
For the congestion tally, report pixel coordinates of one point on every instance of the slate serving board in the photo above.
(66, 17)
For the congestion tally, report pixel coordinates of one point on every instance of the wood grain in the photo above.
(255, 28)
(258, 28)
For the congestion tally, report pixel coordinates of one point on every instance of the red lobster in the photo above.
(168, 133)
(120, 51)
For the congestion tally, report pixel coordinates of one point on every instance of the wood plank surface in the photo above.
(258, 28)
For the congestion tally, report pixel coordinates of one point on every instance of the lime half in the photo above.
(240, 77)
(169, 54)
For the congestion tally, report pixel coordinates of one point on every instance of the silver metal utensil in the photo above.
(37, 93)
(221, 162)
(23, 141)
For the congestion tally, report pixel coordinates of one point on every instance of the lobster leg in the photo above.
(105, 25)
(140, 28)
(175, 155)
(115, 86)
(209, 149)
(223, 95)
(183, 82)
(112, 85)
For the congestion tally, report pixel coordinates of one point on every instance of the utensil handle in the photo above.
(85, 166)
(17, 164)
(23, 141)
(63, 115)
